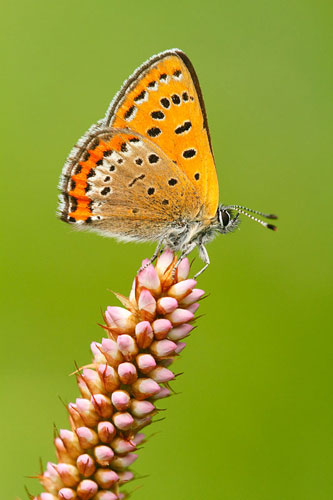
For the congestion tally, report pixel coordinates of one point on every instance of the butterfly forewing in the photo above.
(163, 102)
(122, 184)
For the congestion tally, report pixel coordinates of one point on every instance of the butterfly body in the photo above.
(146, 171)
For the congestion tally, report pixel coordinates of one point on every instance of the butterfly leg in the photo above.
(154, 256)
(184, 254)
(157, 251)
(205, 257)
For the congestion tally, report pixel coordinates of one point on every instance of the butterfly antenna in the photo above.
(267, 216)
(265, 224)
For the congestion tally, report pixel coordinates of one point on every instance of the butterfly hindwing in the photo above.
(163, 102)
(122, 184)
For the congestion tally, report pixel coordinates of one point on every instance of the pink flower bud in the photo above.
(69, 474)
(192, 297)
(104, 455)
(145, 362)
(106, 495)
(112, 353)
(96, 350)
(87, 437)
(46, 496)
(193, 307)
(147, 305)
(75, 417)
(51, 479)
(139, 423)
(125, 476)
(127, 373)
(122, 446)
(120, 319)
(180, 316)
(93, 381)
(180, 332)
(87, 411)
(132, 297)
(161, 328)
(183, 270)
(120, 400)
(163, 348)
(87, 489)
(86, 465)
(161, 375)
(148, 278)
(141, 409)
(164, 393)
(106, 478)
(102, 405)
(106, 431)
(123, 421)
(84, 390)
(71, 442)
(127, 347)
(109, 377)
(67, 494)
(181, 289)
(180, 347)
(144, 334)
(120, 463)
(144, 388)
(166, 305)
(164, 262)
(139, 438)
(62, 454)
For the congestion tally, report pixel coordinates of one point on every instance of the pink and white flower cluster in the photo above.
(129, 373)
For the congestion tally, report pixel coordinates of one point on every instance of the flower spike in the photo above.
(129, 374)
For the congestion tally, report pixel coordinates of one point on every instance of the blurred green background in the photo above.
(253, 420)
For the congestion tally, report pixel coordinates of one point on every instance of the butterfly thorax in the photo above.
(185, 233)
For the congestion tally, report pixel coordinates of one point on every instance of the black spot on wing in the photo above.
(153, 158)
(183, 128)
(172, 182)
(157, 115)
(189, 153)
(141, 96)
(175, 99)
(138, 178)
(129, 112)
(165, 102)
(91, 173)
(154, 132)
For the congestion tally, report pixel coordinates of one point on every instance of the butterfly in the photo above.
(146, 171)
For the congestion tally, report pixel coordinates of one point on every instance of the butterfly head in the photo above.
(228, 217)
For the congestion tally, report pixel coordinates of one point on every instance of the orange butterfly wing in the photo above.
(162, 101)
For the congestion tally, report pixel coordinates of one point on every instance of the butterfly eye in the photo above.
(225, 217)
